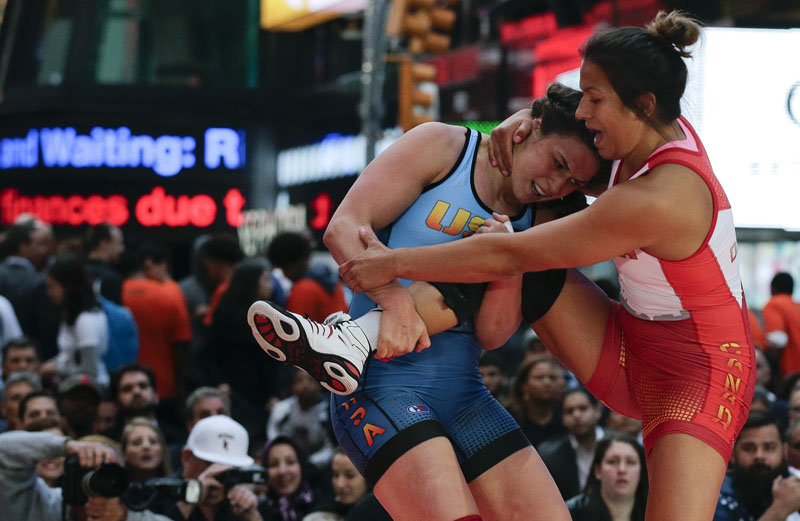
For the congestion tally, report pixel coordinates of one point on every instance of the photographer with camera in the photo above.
(216, 455)
(93, 481)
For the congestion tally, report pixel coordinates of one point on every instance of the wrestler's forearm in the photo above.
(476, 259)
(341, 239)
(390, 295)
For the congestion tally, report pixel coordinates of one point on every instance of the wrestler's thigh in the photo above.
(426, 483)
(574, 327)
(519, 488)
(685, 477)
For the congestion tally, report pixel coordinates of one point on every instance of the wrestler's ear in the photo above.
(647, 104)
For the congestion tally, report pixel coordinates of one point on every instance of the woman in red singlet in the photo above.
(676, 352)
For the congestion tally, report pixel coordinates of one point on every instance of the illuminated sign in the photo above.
(524, 33)
(156, 208)
(73, 210)
(335, 156)
(556, 54)
(322, 205)
(320, 199)
(793, 103)
(296, 15)
(338, 155)
(258, 227)
(759, 167)
(166, 155)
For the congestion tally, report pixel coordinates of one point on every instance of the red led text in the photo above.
(154, 209)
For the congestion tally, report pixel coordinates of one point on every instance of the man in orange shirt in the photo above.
(782, 323)
(160, 311)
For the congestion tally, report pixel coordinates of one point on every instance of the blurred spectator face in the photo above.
(51, 469)
(18, 359)
(265, 285)
(620, 423)
(158, 271)
(763, 370)
(215, 270)
(192, 468)
(143, 450)
(208, 406)
(192, 465)
(758, 446)
(135, 391)
(295, 270)
(561, 381)
(619, 471)
(305, 387)
(792, 447)
(757, 461)
(535, 347)
(217, 438)
(115, 245)
(106, 416)
(760, 404)
(794, 406)
(39, 248)
(79, 408)
(348, 484)
(492, 377)
(14, 394)
(579, 415)
(285, 473)
(542, 382)
(55, 291)
(40, 407)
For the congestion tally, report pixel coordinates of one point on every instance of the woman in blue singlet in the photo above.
(422, 428)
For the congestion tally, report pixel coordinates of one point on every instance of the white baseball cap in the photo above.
(219, 439)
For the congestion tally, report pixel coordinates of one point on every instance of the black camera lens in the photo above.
(110, 480)
(237, 475)
(138, 496)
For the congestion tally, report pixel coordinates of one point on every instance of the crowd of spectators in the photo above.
(201, 398)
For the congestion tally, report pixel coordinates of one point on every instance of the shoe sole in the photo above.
(283, 338)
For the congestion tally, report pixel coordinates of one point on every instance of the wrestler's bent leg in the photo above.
(574, 327)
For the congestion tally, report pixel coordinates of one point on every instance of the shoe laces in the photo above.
(333, 323)
(336, 318)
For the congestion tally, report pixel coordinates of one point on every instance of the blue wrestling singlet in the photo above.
(437, 392)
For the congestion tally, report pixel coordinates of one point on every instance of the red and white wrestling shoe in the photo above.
(333, 352)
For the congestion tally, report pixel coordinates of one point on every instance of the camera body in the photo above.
(139, 496)
(108, 480)
(252, 474)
